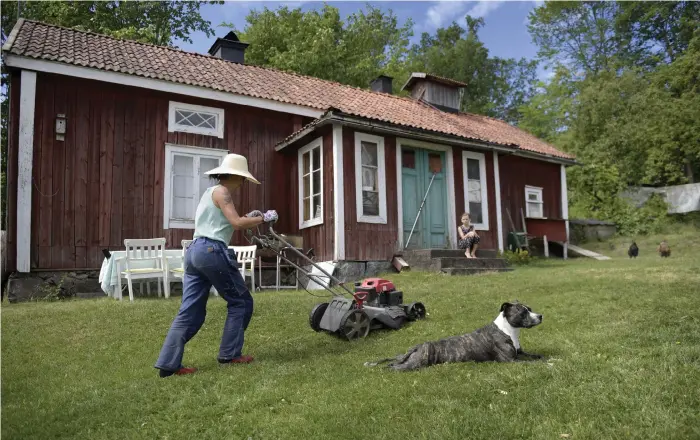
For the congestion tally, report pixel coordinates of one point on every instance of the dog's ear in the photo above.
(504, 306)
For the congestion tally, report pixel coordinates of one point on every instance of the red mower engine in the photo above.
(377, 292)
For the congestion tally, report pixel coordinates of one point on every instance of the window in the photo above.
(370, 182)
(185, 182)
(534, 206)
(475, 195)
(311, 184)
(190, 118)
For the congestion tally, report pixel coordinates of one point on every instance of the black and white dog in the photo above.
(498, 341)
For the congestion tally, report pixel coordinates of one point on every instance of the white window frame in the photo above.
(381, 178)
(481, 157)
(316, 143)
(173, 127)
(533, 190)
(196, 153)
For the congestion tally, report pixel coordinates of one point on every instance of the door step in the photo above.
(474, 270)
(453, 262)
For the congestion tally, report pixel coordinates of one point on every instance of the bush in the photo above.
(519, 257)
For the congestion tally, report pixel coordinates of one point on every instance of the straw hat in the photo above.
(234, 164)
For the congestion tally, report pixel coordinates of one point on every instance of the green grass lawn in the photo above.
(621, 340)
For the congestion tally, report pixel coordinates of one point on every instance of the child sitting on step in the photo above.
(468, 239)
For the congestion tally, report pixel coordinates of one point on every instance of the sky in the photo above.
(505, 33)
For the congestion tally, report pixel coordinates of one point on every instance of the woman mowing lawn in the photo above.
(207, 262)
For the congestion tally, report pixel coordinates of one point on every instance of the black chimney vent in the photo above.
(229, 48)
(381, 84)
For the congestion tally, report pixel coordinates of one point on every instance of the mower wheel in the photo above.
(316, 315)
(415, 311)
(354, 324)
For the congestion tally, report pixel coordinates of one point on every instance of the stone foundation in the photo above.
(53, 285)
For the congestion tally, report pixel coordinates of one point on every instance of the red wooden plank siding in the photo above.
(36, 177)
(517, 172)
(105, 181)
(45, 99)
(368, 241)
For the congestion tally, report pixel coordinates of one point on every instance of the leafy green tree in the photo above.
(496, 86)
(320, 44)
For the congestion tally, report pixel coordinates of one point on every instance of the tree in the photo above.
(580, 35)
(496, 87)
(321, 44)
(156, 22)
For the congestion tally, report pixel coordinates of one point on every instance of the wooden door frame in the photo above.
(450, 176)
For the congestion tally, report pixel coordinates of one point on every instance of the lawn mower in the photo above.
(374, 304)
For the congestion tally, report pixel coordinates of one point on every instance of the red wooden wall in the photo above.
(104, 183)
(369, 241)
(517, 172)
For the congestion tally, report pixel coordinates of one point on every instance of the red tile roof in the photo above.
(69, 46)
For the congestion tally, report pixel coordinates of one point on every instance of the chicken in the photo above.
(633, 251)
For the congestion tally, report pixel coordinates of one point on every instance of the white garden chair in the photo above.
(179, 272)
(144, 259)
(246, 262)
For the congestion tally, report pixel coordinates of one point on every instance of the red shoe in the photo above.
(180, 372)
(245, 359)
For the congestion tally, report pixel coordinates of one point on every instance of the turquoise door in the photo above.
(417, 168)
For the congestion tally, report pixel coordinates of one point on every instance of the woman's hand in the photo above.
(254, 213)
(270, 216)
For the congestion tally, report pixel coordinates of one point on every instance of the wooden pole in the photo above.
(546, 247)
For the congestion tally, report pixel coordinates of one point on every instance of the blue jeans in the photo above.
(207, 263)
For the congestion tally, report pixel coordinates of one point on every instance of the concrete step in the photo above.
(447, 253)
(474, 270)
(464, 262)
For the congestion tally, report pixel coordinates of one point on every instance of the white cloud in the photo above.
(443, 13)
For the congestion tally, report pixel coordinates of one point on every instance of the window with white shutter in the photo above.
(370, 179)
(476, 201)
(198, 119)
(185, 182)
(534, 204)
(310, 164)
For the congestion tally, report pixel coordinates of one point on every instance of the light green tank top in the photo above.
(210, 221)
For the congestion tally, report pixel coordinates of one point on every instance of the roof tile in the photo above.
(47, 42)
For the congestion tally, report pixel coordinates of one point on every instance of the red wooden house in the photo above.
(109, 140)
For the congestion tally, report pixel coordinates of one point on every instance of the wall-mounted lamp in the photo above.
(60, 127)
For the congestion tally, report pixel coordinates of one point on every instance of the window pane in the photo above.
(306, 169)
(181, 117)
(208, 121)
(408, 159)
(183, 187)
(307, 209)
(183, 165)
(317, 159)
(317, 182)
(368, 154)
(205, 164)
(306, 183)
(370, 203)
(533, 196)
(474, 190)
(535, 209)
(475, 212)
(473, 170)
(434, 163)
(317, 207)
(369, 179)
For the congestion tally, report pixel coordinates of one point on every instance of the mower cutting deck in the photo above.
(374, 304)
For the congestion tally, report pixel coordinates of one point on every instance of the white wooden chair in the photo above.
(144, 259)
(246, 262)
(179, 272)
